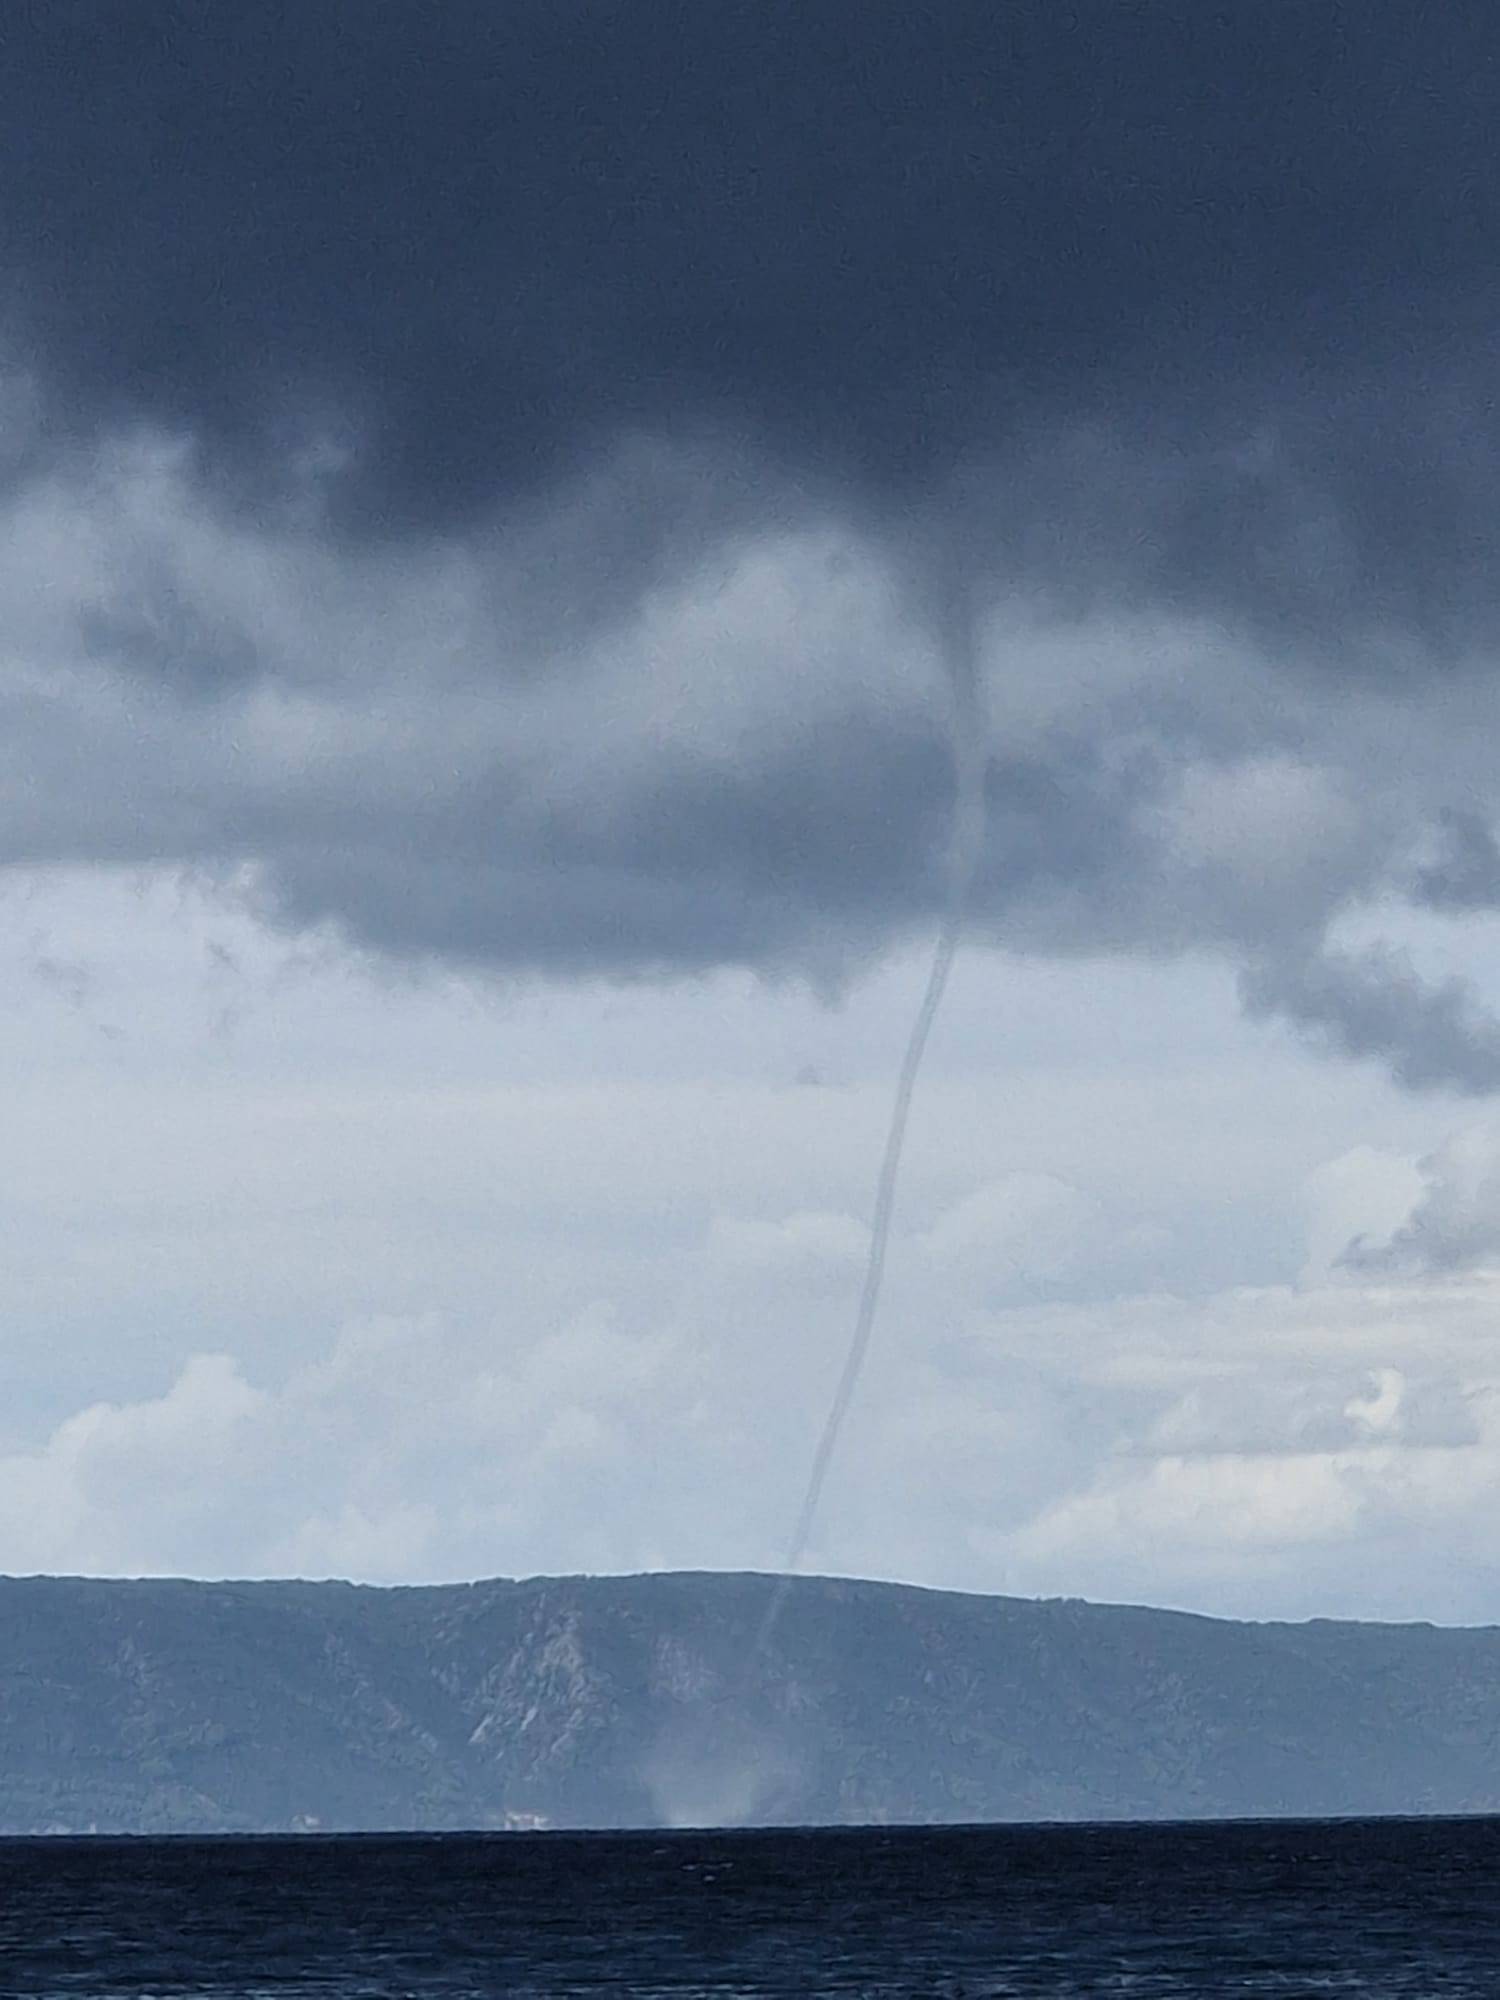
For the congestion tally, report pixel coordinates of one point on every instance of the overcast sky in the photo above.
(495, 498)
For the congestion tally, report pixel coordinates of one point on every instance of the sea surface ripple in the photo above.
(1387, 1909)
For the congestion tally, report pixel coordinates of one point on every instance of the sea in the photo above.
(1293, 1908)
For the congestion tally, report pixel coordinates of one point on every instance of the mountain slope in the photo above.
(642, 1700)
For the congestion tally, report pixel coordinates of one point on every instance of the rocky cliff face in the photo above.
(616, 1701)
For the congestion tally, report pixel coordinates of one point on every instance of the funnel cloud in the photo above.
(970, 763)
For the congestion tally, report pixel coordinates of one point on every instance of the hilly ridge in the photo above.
(616, 1701)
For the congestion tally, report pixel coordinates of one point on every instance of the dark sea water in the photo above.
(1375, 1908)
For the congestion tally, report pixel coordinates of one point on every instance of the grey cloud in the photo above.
(166, 639)
(1324, 1412)
(1433, 1036)
(752, 764)
(67, 977)
(749, 763)
(1454, 1225)
(1466, 874)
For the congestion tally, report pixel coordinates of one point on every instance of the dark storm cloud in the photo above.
(477, 239)
(1122, 312)
(815, 863)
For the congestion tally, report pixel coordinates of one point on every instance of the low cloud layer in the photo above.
(748, 764)
(1250, 1450)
